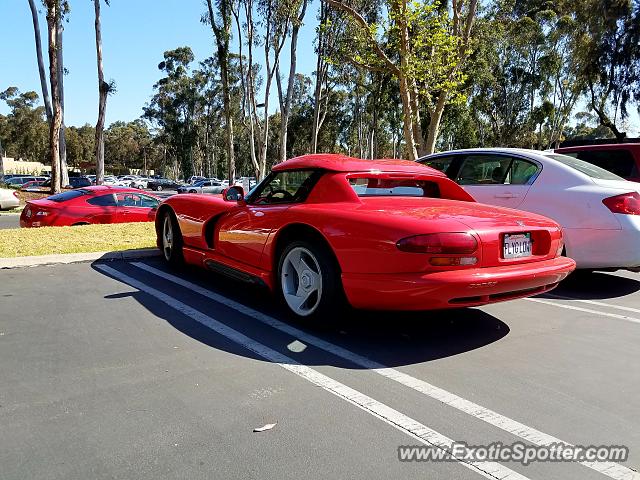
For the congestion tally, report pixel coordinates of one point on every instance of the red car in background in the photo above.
(623, 159)
(385, 234)
(84, 206)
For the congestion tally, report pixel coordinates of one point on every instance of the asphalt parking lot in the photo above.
(9, 220)
(131, 370)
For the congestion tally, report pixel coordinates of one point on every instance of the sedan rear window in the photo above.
(64, 196)
(388, 187)
(584, 167)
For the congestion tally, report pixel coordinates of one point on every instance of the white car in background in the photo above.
(599, 211)
(8, 199)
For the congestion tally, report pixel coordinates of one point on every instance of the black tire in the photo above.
(159, 188)
(330, 297)
(171, 248)
(193, 191)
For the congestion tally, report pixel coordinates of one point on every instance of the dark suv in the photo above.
(623, 159)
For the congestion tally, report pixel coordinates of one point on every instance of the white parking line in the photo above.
(599, 304)
(585, 310)
(402, 422)
(612, 470)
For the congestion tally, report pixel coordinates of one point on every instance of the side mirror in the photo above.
(233, 194)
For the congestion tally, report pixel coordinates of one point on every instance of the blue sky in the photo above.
(135, 33)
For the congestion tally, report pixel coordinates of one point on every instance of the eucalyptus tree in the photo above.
(424, 46)
(55, 12)
(104, 89)
(222, 31)
(607, 52)
(41, 69)
(297, 10)
(175, 106)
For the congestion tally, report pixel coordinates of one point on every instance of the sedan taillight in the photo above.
(627, 203)
(456, 243)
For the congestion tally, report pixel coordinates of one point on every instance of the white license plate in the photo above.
(517, 245)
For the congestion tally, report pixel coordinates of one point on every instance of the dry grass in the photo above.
(22, 242)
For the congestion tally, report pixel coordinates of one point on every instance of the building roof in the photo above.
(342, 163)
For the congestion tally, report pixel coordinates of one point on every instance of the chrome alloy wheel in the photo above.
(167, 237)
(301, 280)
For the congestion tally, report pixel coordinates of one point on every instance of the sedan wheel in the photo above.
(308, 280)
(159, 188)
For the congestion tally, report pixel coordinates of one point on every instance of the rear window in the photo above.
(65, 196)
(385, 187)
(585, 167)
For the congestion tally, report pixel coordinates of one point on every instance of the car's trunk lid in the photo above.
(489, 223)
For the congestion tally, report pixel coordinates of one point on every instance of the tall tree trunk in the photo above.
(103, 90)
(285, 113)
(246, 96)
(434, 124)
(53, 22)
(254, 124)
(64, 171)
(41, 69)
(322, 72)
(222, 34)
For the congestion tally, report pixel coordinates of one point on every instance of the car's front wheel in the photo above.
(171, 240)
(159, 188)
(308, 280)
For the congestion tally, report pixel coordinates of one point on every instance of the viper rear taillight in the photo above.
(627, 203)
(455, 243)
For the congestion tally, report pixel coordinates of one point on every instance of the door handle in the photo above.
(506, 195)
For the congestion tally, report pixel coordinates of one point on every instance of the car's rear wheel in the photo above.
(308, 280)
(159, 188)
(171, 240)
(193, 191)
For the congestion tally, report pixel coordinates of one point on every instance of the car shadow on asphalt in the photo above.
(595, 286)
(388, 338)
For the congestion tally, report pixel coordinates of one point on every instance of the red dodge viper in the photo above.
(385, 234)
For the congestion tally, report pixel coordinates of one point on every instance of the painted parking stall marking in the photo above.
(402, 422)
(585, 310)
(611, 469)
(597, 303)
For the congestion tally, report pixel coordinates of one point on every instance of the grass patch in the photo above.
(24, 242)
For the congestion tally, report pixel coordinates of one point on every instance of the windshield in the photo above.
(584, 167)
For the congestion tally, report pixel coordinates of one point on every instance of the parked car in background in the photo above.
(599, 211)
(159, 184)
(390, 235)
(8, 199)
(95, 204)
(195, 179)
(79, 182)
(623, 159)
(18, 181)
(203, 186)
(32, 186)
(139, 182)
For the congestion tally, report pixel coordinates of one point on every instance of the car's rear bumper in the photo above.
(455, 288)
(606, 249)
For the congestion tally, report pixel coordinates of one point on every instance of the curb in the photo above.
(77, 258)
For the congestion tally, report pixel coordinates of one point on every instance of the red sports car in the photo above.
(387, 234)
(83, 206)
